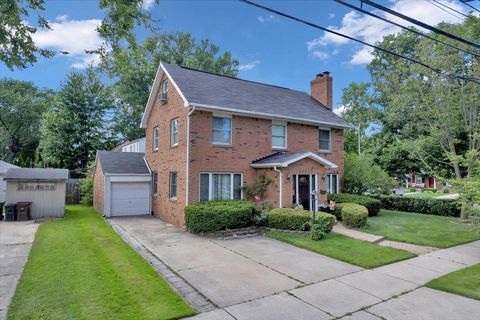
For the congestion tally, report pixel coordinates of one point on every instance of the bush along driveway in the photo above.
(261, 278)
(79, 268)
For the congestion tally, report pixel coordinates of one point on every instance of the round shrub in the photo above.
(373, 205)
(318, 231)
(354, 215)
(289, 219)
(218, 215)
(326, 219)
(338, 210)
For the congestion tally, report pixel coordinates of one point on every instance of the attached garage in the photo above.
(122, 184)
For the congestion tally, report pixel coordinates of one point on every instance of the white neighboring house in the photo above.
(132, 146)
(4, 166)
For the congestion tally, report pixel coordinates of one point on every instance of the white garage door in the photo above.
(130, 198)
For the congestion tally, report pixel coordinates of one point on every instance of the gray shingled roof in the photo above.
(283, 159)
(4, 166)
(36, 174)
(205, 88)
(122, 162)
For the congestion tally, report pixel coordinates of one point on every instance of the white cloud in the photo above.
(268, 18)
(248, 66)
(147, 4)
(340, 110)
(320, 55)
(372, 30)
(72, 36)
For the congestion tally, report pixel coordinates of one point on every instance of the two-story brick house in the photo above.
(208, 135)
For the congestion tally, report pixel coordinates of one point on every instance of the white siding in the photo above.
(136, 146)
(44, 203)
(3, 188)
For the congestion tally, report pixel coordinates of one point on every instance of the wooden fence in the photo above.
(73, 194)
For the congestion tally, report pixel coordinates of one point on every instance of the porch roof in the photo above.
(284, 159)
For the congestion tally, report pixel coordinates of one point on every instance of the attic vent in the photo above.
(163, 96)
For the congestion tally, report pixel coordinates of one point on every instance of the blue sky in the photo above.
(271, 49)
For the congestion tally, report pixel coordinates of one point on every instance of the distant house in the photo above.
(131, 146)
(422, 181)
(4, 166)
(208, 135)
(44, 188)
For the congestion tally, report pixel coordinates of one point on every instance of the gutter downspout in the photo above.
(280, 186)
(187, 173)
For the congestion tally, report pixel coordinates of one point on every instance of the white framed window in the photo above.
(418, 179)
(36, 187)
(279, 135)
(172, 185)
(155, 138)
(174, 132)
(324, 139)
(221, 130)
(332, 183)
(164, 91)
(220, 186)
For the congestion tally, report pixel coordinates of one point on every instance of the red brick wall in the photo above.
(98, 188)
(252, 140)
(168, 158)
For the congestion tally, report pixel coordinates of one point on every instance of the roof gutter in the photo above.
(280, 186)
(270, 116)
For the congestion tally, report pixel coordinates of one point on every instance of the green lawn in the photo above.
(357, 252)
(79, 268)
(422, 229)
(465, 282)
(425, 195)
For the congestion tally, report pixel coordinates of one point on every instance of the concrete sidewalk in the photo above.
(15, 242)
(261, 278)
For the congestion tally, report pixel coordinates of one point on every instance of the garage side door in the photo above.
(130, 198)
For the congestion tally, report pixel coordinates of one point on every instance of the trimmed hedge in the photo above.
(354, 215)
(338, 210)
(326, 219)
(218, 215)
(289, 219)
(426, 206)
(295, 219)
(373, 205)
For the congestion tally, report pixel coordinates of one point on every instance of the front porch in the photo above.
(301, 178)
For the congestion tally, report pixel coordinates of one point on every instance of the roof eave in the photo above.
(269, 116)
(151, 98)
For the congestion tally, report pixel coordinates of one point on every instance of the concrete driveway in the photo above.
(15, 242)
(261, 278)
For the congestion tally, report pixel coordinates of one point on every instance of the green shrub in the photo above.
(426, 206)
(354, 215)
(373, 205)
(429, 190)
(87, 191)
(363, 175)
(260, 211)
(289, 219)
(218, 215)
(326, 219)
(338, 210)
(319, 230)
(445, 190)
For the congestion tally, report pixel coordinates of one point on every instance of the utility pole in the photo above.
(359, 138)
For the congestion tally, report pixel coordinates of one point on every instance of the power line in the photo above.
(342, 2)
(360, 41)
(469, 5)
(434, 3)
(421, 24)
(448, 7)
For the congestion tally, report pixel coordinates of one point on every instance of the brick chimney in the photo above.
(321, 88)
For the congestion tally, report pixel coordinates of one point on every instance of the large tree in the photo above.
(18, 50)
(433, 117)
(78, 124)
(134, 67)
(21, 108)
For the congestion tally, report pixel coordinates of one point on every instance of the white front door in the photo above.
(130, 198)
